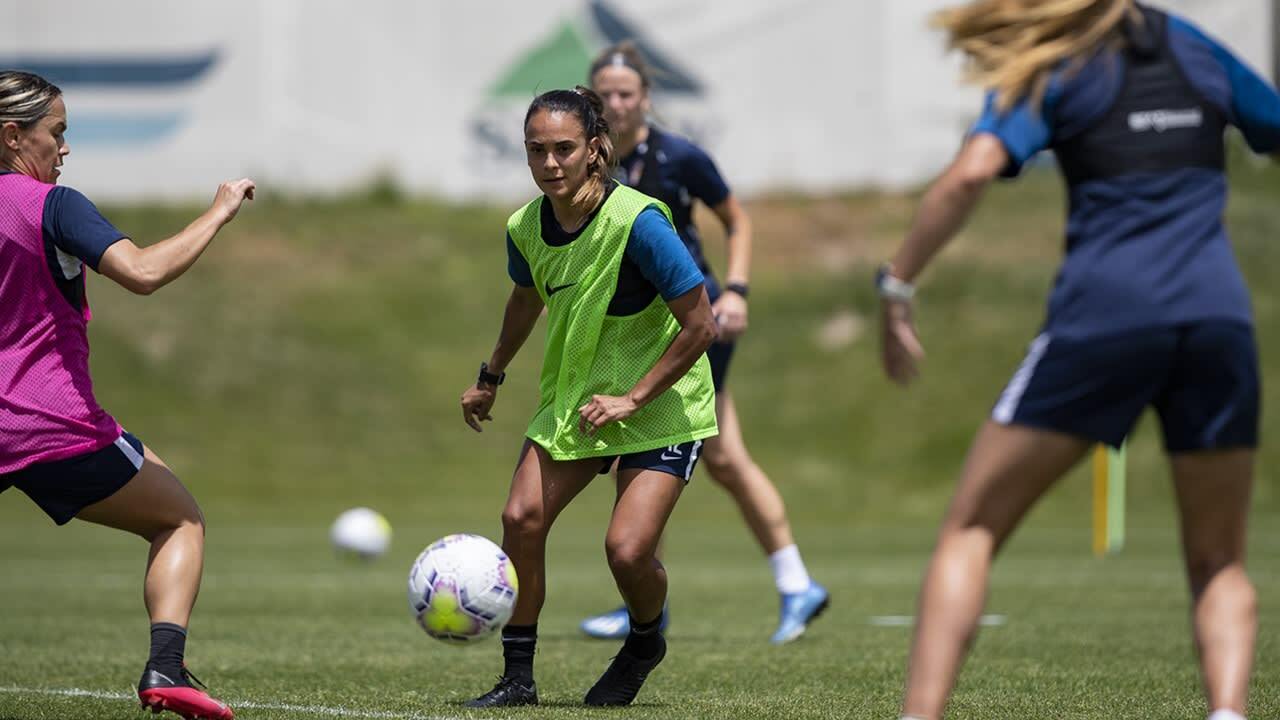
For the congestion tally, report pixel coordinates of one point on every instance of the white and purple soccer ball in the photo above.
(462, 588)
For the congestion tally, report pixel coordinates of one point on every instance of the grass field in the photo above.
(312, 362)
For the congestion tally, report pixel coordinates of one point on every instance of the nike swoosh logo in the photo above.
(553, 290)
(667, 458)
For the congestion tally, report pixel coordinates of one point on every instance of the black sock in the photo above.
(645, 640)
(518, 645)
(168, 643)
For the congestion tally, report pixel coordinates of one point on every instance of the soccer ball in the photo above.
(361, 531)
(462, 588)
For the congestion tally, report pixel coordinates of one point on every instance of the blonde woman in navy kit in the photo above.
(679, 173)
(1149, 308)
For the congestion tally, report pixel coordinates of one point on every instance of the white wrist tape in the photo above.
(892, 288)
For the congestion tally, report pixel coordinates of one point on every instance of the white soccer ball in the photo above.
(361, 531)
(462, 588)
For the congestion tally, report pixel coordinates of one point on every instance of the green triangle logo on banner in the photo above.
(559, 62)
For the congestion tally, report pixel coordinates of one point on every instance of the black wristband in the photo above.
(738, 288)
(489, 378)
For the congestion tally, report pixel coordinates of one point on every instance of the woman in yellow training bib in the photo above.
(624, 377)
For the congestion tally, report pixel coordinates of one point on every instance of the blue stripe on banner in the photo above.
(133, 129)
(116, 71)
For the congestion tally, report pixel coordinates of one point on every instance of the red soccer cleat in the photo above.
(158, 692)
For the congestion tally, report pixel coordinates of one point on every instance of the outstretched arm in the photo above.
(518, 320)
(145, 270)
(943, 211)
(949, 202)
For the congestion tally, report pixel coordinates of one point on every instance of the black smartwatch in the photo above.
(488, 378)
(738, 288)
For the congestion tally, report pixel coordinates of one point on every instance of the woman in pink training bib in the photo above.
(56, 444)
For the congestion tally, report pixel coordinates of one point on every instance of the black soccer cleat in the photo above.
(509, 692)
(622, 681)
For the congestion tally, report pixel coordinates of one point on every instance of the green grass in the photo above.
(312, 362)
(283, 622)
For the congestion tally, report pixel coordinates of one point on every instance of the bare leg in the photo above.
(1213, 496)
(540, 490)
(156, 506)
(730, 466)
(1008, 469)
(645, 501)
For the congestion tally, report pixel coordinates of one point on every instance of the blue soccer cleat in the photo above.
(615, 624)
(798, 610)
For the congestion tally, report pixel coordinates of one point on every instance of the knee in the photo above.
(628, 557)
(194, 519)
(183, 519)
(1205, 568)
(523, 520)
(722, 465)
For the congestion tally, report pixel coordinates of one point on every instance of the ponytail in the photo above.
(587, 106)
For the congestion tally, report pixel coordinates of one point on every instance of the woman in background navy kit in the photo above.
(674, 170)
(1149, 308)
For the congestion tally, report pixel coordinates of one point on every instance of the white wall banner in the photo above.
(167, 98)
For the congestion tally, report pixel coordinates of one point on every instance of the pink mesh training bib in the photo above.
(47, 409)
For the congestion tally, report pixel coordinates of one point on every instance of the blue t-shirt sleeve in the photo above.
(660, 254)
(700, 175)
(76, 227)
(517, 266)
(1022, 129)
(1255, 105)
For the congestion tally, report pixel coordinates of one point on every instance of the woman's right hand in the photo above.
(231, 195)
(477, 401)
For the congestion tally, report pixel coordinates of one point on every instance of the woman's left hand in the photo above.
(604, 409)
(730, 310)
(900, 348)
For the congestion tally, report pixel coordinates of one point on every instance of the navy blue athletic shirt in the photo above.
(1146, 247)
(654, 263)
(74, 233)
(677, 172)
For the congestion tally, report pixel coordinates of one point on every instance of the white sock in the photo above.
(1226, 715)
(789, 573)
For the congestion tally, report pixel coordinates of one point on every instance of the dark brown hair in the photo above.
(587, 107)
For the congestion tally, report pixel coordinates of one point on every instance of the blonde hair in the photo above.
(1013, 46)
(624, 54)
(25, 98)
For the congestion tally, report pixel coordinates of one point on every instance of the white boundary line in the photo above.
(910, 620)
(235, 705)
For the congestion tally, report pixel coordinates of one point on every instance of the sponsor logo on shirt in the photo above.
(1161, 120)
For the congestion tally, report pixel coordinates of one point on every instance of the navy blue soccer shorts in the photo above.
(62, 488)
(678, 460)
(719, 355)
(1201, 379)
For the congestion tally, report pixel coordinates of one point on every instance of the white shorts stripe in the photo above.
(1007, 405)
(693, 460)
(129, 452)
